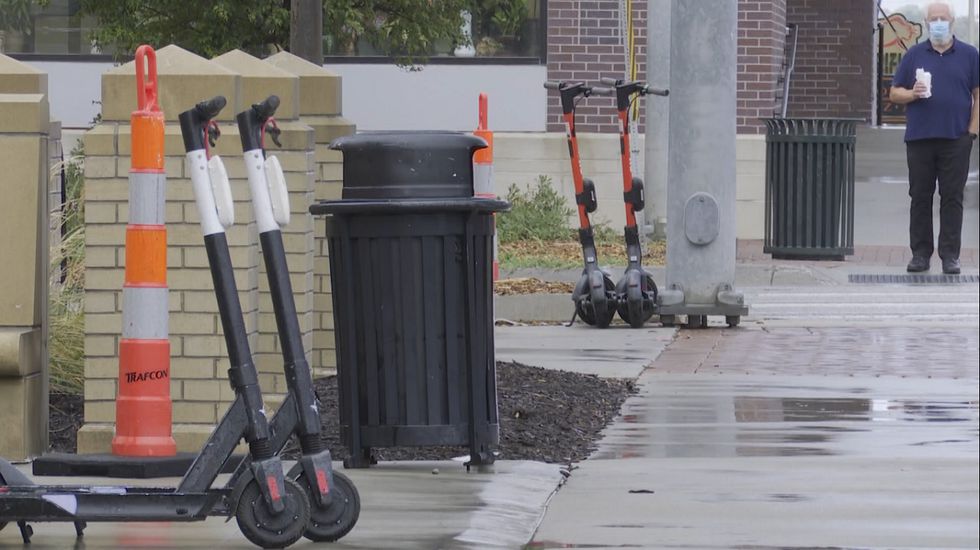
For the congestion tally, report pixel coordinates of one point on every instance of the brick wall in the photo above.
(584, 45)
(761, 40)
(834, 63)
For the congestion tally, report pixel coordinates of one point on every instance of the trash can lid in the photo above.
(408, 165)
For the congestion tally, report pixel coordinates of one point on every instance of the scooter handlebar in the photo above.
(658, 91)
(552, 85)
(609, 81)
(267, 108)
(209, 108)
(600, 90)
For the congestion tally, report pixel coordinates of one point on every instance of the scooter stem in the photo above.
(252, 125)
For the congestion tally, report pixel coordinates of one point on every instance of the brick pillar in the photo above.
(320, 108)
(761, 41)
(24, 250)
(199, 386)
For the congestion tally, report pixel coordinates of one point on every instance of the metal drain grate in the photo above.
(912, 278)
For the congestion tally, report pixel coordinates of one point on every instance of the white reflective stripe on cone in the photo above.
(145, 314)
(482, 179)
(147, 196)
(197, 165)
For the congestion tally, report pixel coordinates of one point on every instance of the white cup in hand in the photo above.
(925, 77)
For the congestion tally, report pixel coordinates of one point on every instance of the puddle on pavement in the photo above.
(684, 421)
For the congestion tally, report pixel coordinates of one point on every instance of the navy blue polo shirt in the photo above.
(955, 73)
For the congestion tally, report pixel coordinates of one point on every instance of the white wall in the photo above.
(443, 97)
(74, 88)
(376, 96)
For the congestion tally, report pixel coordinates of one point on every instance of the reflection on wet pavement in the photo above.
(727, 415)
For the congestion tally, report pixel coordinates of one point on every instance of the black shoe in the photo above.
(918, 264)
(951, 266)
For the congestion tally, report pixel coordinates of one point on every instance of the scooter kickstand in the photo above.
(26, 531)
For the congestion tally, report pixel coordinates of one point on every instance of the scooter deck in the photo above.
(44, 503)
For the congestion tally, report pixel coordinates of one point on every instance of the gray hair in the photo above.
(952, 11)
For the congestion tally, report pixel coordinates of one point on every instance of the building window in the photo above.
(56, 29)
(500, 30)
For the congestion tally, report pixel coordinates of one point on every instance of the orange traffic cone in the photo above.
(143, 405)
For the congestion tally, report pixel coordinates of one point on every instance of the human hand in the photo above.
(920, 90)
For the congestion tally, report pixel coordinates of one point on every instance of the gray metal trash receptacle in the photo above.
(410, 266)
(810, 188)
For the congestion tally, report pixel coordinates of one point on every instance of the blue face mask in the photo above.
(939, 31)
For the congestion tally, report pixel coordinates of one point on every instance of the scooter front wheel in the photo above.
(266, 528)
(637, 303)
(330, 523)
(598, 306)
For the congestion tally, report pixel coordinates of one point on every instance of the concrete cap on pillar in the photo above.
(319, 89)
(259, 80)
(184, 80)
(21, 78)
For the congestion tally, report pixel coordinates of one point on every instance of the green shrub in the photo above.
(66, 332)
(539, 212)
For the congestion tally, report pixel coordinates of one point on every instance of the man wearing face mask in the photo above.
(941, 127)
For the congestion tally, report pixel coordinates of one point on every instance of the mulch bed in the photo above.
(545, 415)
(530, 285)
(569, 252)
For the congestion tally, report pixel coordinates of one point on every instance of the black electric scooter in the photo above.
(272, 511)
(335, 502)
(636, 291)
(594, 294)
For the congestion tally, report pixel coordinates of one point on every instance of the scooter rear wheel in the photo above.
(267, 529)
(330, 523)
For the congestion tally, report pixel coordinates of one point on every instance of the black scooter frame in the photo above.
(283, 502)
(335, 502)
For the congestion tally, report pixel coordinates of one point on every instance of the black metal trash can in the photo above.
(410, 265)
(810, 188)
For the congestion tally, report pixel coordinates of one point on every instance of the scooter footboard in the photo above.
(11, 476)
(41, 503)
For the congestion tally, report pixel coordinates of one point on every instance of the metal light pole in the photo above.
(700, 174)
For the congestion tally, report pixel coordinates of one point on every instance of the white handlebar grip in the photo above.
(221, 189)
(278, 193)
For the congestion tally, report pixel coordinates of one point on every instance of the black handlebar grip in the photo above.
(599, 90)
(267, 108)
(609, 81)
(552, 85)
(658, 91)
(209, 108)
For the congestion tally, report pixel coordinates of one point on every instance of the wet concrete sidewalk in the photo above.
(788, 437)
(405, 505)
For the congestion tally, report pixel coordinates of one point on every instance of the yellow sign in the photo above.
(897, 35)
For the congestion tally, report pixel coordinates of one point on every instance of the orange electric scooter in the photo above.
(594, 295)
(636, 292)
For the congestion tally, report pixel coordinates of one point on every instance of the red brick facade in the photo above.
(834, 63)
(761, 42)
(584, 45)
(835, 60)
